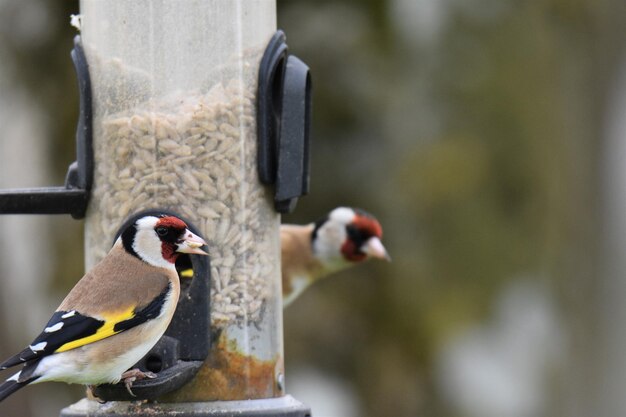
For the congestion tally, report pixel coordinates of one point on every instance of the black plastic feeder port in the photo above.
(284, 123)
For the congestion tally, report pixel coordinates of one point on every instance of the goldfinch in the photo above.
(346, 236)
(114, 315)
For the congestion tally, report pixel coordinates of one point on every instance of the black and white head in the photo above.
(158, 240)
(347, 235)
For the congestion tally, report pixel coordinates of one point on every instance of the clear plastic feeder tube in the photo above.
(174, 86)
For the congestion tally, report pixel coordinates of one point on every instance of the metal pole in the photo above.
(174, 88)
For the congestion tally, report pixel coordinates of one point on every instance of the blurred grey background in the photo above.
(488, 136)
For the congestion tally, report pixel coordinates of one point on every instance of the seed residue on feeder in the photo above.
(199, 143)
(230, 375)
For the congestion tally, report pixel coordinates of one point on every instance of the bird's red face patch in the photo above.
(170, 230)
(351, 252)
(361, 229)
(171, 222)
(368, 225)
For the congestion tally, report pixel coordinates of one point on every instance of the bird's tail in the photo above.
(12, 384)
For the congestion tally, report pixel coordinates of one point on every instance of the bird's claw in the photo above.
(128, 382)
(133, 375)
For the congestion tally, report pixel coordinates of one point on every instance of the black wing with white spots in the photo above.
(63, 327)
(69, 330)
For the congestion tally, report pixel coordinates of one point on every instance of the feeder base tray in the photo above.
(286, 406)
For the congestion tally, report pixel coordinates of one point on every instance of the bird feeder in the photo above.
(195, 108)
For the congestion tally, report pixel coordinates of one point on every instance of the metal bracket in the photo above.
(180, 353)
(74, 196)
(283, 123)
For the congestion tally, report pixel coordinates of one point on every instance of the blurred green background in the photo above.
(472, 129)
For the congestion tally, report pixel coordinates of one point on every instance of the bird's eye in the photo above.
(353, 232)
(357, 235)
(161, 231)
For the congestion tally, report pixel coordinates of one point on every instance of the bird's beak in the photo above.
(191, 244)
(374, 247)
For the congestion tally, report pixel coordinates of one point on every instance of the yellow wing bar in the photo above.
(110, 320)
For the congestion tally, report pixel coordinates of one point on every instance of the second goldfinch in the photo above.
(346, 236)
(114, 315)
